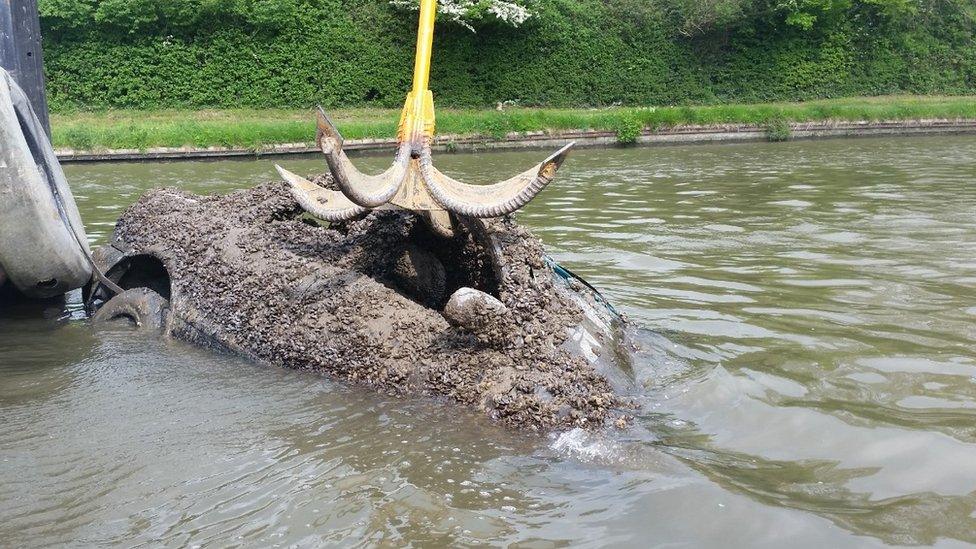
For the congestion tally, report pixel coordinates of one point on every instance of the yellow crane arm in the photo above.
(417, 121)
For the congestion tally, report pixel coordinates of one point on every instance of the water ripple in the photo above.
(803, 365)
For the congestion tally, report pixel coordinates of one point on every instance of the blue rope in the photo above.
(566, 274)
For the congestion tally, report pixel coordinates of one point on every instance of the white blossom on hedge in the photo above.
(509, 12)
(466, 12)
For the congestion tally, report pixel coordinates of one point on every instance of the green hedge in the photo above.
(575, 53)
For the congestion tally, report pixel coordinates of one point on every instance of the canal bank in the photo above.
(174, 133)
(684, 134)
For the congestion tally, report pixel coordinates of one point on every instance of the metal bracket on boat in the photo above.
(45, 251)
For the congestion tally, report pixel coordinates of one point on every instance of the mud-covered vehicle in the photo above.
(480, 316)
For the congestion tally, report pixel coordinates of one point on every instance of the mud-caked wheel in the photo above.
(140, 306)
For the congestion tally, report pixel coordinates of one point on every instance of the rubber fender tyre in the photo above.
(144, 307)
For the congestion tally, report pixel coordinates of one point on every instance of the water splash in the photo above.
(586, 446)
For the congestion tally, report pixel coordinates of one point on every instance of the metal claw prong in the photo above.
(490, 200)
(368, 191)
(320, 202)
(324, 128)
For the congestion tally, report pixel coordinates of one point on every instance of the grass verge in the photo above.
(125, 129)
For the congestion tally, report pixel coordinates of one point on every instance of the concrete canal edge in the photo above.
(545, 140)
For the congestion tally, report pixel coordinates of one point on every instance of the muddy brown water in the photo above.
(811, 310)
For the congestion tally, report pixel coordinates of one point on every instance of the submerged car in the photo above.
(477, 315)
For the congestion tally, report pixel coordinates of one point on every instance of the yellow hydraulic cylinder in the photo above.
(417, 120)
(425, 44)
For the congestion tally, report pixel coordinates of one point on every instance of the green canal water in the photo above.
(810, 378)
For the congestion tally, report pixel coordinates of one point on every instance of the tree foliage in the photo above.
(268, 53)
(160, 16)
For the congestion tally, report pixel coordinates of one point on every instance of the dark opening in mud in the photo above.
(142, 271)
(429, 267)
(129, 272)
(146, 287)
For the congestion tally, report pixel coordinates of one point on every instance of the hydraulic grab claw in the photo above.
(412, 182)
